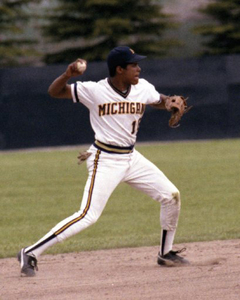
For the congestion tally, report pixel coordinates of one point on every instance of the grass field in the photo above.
(40, 188)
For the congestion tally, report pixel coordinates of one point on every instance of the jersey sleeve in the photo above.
(154, 96)
(83, 92)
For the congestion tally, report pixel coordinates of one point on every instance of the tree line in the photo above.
(59, 31)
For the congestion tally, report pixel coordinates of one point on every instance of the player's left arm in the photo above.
(161, 105)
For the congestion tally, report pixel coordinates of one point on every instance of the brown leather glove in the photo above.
(177, 105)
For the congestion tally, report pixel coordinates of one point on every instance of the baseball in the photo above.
(81, 66)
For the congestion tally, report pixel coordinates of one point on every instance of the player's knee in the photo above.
(176, 204)
(176, 197)
(171, 198)
(92, 218)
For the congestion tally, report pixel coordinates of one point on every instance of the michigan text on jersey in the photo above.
(121, 108)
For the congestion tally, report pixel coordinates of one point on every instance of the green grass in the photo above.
(40, 188)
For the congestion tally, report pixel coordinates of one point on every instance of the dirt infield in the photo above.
(129, 274)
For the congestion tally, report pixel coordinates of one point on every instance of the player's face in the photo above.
(131, 73)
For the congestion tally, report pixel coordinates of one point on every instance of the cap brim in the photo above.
(136, 58)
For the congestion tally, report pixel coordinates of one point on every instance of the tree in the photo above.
(92, 27)
(14, 46)
(223, 31)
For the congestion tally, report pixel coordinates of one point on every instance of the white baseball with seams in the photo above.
(81, 66)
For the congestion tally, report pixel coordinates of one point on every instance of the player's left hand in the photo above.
(177, 105)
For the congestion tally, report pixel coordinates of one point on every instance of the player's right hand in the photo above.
(73, 69)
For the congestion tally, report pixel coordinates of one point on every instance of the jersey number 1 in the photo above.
(135, 126)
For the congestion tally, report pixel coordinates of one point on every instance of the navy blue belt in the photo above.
(113, 149)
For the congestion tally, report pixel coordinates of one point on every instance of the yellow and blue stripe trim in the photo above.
(113, 149)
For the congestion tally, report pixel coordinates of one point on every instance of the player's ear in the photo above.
(119, 70)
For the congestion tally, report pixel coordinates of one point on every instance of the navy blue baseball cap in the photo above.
(122, 55)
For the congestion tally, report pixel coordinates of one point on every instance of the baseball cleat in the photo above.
(172, 259)
(28, 263)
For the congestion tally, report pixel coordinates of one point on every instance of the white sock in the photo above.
(167, 238)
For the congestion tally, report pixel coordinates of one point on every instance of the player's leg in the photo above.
(146, 177)
(103, 178)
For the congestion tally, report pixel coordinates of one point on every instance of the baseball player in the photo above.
(116, 105)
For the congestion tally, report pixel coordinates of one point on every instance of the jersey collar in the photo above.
(123, 94)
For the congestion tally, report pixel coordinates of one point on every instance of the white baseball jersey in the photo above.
(115, 116)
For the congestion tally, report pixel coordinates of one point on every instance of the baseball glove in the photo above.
(177, 105)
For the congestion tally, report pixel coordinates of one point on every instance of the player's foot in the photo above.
(28, 263)
(172, 259)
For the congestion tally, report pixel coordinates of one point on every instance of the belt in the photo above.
(113, 149)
